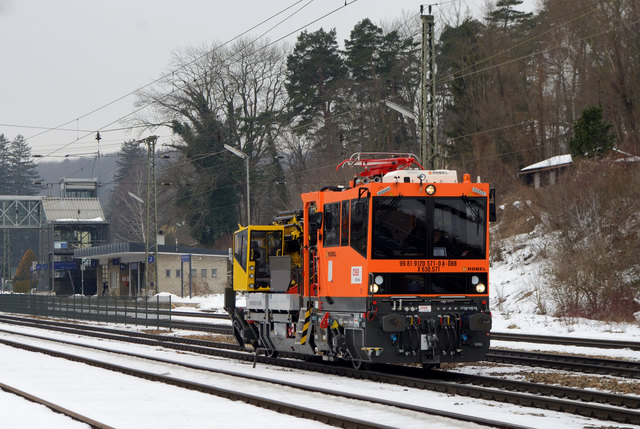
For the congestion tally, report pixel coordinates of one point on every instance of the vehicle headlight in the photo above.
(475, 280)
(373, 288)
(481, 288)
(378, 280)
(430, 189)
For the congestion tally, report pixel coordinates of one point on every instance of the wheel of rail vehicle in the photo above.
(430, 366)
(271, 353)
(359, 365)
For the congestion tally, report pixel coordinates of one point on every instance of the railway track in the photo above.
(260, 401)
(497, 336)
(202, 327)
(55, 407)
(566, 341)
(501, 390)
(588, 365)
(573, 363)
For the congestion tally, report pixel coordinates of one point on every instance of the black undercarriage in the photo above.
(423, 330)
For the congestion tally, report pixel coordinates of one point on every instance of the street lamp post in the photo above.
(244, 156)
(144, 232)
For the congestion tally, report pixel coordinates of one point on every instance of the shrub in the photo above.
(595, 259)
(22, 286)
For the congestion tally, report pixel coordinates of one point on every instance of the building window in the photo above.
(194, 272)
(214, 273)
(203, 273)
(177, 273)
(167, 273)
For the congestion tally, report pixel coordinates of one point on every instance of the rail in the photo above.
(620, 408)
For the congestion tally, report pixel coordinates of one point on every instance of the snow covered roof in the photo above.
(553, 162)
(73, 210)
(114, 250)
(627, 157)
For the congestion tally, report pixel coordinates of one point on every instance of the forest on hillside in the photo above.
(512, 88)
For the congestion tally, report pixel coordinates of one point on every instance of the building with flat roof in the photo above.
(545, 172)
(68, 224)
(183, 271)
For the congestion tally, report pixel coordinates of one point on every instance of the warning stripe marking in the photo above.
(305, 327)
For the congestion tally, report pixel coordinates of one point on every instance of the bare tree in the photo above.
(222, 95)
(128, 220)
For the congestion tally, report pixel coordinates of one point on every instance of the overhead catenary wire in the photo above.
(347, 3)
(524, 42)
(166, 75)
(343, 113)
(528, 40)
(103, 128)
(538, 52)
(452, 74)
(456, 74)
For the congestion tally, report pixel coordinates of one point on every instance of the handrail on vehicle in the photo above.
(387, 162)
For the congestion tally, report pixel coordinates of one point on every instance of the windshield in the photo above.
(428, 228)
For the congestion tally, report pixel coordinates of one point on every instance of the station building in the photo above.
(183, 271)
(70, 223)
(76, 256)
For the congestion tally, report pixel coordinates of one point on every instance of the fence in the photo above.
(148, 311)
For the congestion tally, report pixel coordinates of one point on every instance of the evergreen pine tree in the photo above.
(591, 135)
(18, 173)
(314, 70)
(5, 172)
(363, 50)
(132, 155)
(504, 15)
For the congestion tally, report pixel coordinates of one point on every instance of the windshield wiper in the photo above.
(392, 205)
(474, 207)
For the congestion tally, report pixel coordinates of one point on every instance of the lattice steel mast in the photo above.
(429, 154)
(151, 231)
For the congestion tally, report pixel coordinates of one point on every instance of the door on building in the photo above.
(114, 284)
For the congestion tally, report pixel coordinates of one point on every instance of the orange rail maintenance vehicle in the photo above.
(391, 269)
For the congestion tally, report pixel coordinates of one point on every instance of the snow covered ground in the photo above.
(127, 402)
(519, 300)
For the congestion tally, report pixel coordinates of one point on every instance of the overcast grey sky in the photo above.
(61, 59)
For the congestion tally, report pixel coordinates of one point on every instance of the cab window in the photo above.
(344, 224)
(240, 248)
(359, 225)
(331, 225)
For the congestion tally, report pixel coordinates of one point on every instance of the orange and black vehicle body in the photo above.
(392, 269)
